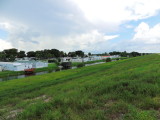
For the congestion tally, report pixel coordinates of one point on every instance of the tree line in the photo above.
(123, 54)
(11, 54)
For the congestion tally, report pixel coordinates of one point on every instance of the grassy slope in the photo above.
(127, 89)
(88, 62)
(10, 73)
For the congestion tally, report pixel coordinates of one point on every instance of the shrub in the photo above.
(57, 69)
(117, 58)
(52, 61)
(108, 60)
(81, 65)
(57, 63)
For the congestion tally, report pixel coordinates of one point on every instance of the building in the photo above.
(25, 58)
(105, 57)
(66, 59)
(74, 59)
(115, 56)
(94, 58)
(33, 64)
(12, 66)
(77, 59)
(21, 65)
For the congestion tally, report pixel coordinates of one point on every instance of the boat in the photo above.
(29, 71)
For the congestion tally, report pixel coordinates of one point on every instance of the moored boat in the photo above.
(29, 71)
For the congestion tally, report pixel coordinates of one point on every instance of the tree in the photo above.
(62, 54)
(134, 54)
(65, 55)
(55, 52)
(89, 54)
(79, 53)
(115, 53)
(108, 60)
(31, 54)
(21, 54)
(124, 54)
(39, 54)
(11, 54)
(2, 56)
(72, 54)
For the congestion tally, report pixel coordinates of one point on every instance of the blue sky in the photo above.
(92, 26)
(3, 34)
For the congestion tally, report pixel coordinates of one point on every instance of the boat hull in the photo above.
(29, 71)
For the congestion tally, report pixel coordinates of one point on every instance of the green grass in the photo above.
(10, 73)
(88, 62)
(121, 58)
(51, 66)
(123, 90)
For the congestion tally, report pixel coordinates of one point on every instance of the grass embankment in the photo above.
(127, 89)
(121, 58)
(50, 67)
(10, 73)
(88, 62)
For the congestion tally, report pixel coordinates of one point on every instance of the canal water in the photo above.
(38, 73)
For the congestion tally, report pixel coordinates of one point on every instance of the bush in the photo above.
(52, 61)
(59, 60)
(80, 65)
(57, 69)
(57, 63)
(108, 60)
(117, 58)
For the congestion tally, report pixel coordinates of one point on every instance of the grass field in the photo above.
(88, 62)
(121, 90)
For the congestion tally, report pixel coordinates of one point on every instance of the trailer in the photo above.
(12, 66)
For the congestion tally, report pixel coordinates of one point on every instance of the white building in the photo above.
(66, 59)
(40, 64)
(33, 64)
(94, 58)
(77, 59)
(115, 56)
(86, 59)
(74, 59)
(25, 58)
(21, 65)
(12, 66)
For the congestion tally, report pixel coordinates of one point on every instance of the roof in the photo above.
(106, 56)
(26, 61)
(10, 63)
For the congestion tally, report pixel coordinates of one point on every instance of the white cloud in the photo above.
(88, 41)
(117, 11)
(23, 38)
(11, 25)
(146, 34)
(4, 45)
(61, 24)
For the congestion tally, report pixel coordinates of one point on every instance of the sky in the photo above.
(90, 25)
